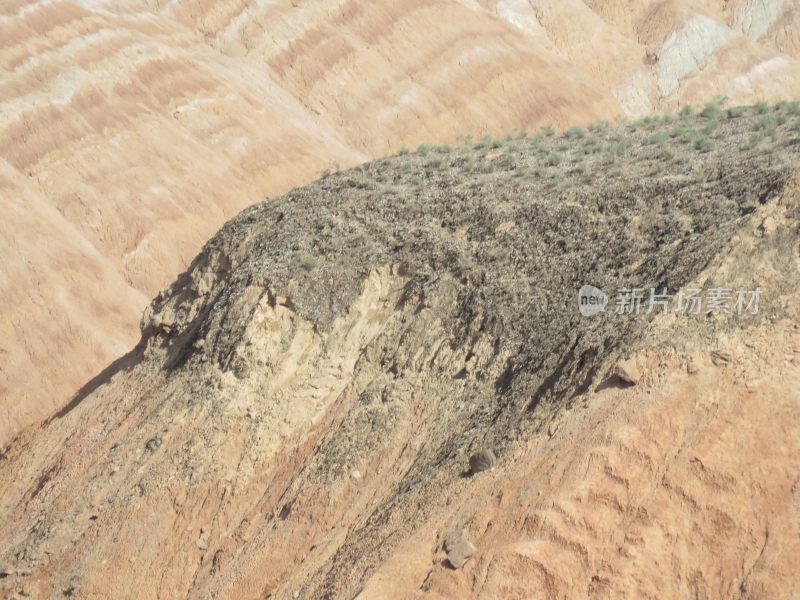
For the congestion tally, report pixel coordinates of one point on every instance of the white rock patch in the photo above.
(687, 48)
(753, 18)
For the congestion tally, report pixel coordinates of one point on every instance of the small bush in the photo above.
(735, 112)
(710, 111)
(793, 108)
(423, 150)
(592, 146)
(444, 149)
(703, 144)
(547, 131)
(617, 148)
(486, 142)
(761, 108)
(553, 159)
(507, 162)
(309, 263)
(766, 125)
(403, 151)
(677, 132)
(687, 111)
(710, 127)
(435, 163)
(657, 138)
(575, 133)
(688, 136)
(599, 127)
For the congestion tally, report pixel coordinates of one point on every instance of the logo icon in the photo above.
(591, 300)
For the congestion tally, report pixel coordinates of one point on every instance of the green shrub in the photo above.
(710, 111)
(553, 159)
(761, 107)
(677, 132)
(309, 263)
(575, 133)
(767, 125)
(793, 108)
(486, 142)
(599, 127)
(657, 138)
(710, 127)
(423, 149)
(506, 161)
(688, 136)
(443, 149)
(735, 112)
(687, 110)
(547, 131)
(403, 151)
(703, 144)
(592, 146)
(617, 148)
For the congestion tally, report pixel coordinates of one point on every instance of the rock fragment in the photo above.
(482, 460)
(627, 371)
(458, 548)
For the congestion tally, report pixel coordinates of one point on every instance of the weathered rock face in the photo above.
(298, 416)
(130, 131)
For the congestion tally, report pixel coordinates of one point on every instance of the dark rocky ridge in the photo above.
(516, 243)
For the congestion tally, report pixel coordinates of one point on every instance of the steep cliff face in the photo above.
(299, 416)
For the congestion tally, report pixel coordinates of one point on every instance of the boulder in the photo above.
(482, 460)
(627, 371)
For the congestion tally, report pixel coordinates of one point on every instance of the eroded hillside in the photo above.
(130, 131)
(298, 418)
